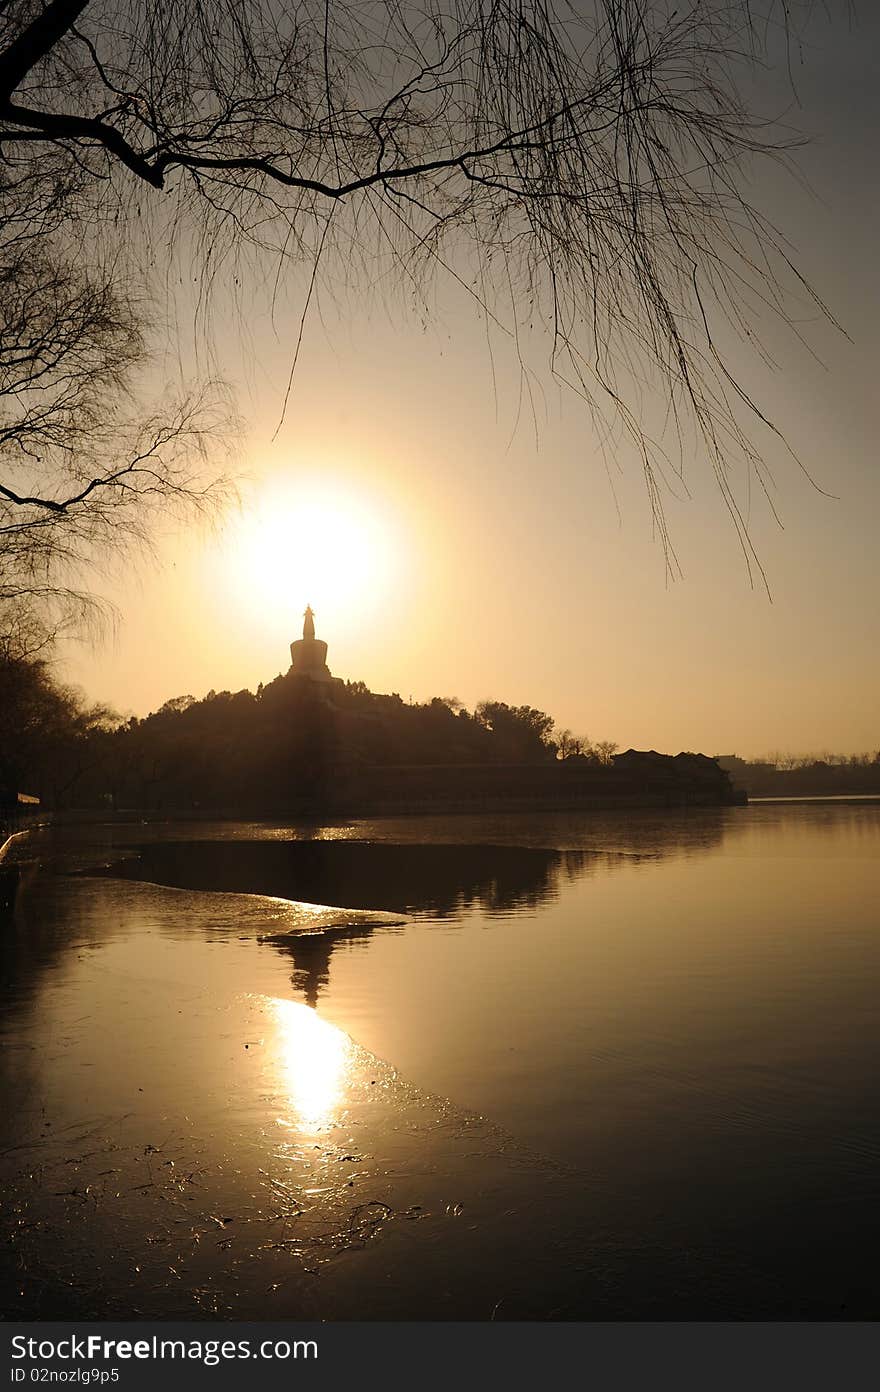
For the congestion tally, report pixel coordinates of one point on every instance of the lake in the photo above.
(549, 1066)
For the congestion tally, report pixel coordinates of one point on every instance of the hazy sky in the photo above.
(448, 550)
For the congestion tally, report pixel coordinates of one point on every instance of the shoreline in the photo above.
(345, 812)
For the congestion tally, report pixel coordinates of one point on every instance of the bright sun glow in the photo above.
(327, 548)
(314, 1058)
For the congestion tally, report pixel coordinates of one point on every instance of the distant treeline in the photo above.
(829, 775)
(251, 750)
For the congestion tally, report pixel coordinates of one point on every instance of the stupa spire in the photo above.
(309, 654)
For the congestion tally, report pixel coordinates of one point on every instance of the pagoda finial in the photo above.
(308, 655)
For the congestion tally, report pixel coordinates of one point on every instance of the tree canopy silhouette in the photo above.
(239, 749)
(86, 459)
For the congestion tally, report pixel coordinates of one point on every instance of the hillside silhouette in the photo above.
(309, 743)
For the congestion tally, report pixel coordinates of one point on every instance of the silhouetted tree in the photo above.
(48, 735)
(521, 732)
(176, 705)
(563, 743)
(85, 461)
(83, 469)
(604, 751)
(571, 746)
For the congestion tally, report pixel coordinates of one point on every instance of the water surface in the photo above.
(559, 1066)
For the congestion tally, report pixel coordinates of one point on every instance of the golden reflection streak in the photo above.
(314, 1058)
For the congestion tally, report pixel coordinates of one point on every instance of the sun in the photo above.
(327, 547)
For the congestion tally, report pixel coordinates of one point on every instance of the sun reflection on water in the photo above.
(314, 1059)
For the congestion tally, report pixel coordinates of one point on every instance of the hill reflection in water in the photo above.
(440, 881)
(431, 867)
(435, 879)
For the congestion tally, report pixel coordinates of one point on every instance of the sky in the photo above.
(455, 542)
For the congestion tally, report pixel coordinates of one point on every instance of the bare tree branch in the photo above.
(70, 344)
